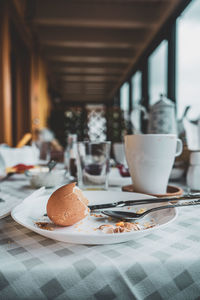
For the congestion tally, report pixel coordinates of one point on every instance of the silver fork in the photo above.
(126, 215)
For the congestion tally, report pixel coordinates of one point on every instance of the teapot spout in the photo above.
(185, 112)
(135, 117)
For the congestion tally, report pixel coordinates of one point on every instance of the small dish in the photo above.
(172, 190)
(42, 177)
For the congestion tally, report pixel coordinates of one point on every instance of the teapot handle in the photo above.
(146, 115)
(179, 147)
(140, 107)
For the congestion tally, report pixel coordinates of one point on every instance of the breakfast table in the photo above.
(163, 264)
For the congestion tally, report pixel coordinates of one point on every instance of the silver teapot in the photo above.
(162, 117)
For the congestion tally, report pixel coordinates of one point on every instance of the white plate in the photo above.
(32, 209)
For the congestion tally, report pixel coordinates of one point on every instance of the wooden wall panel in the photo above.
(34, 89)
(5, 77)
(24, 99)
(43, 96)
(20, 58)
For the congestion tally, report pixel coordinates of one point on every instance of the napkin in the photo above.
(28, 155)
(2, 167)
(115, 179)
(13, 202)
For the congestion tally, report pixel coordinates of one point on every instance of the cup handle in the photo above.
(179, 147)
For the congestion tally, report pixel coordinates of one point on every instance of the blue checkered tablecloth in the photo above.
(165, 264)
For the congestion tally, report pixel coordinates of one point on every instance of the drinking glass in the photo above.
(93, 165)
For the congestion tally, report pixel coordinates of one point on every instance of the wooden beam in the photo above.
(93, 52)
(85, 89)
(86, 85)
(58, 65)
(89, 59)
(82, 92)
(99, 14)
(89, 71)
(90, 44)
(93, 23)
(83, 98)
(61, 75)
(74, 78)
(66, 36)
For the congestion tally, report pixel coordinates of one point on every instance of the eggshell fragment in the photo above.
(67, 205)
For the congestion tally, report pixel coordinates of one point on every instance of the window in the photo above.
(136, 82)
(124, 97)
(157, 64)
(96, 123)
(135, 117)
(188, 60)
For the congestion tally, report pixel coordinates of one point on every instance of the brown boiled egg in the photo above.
(67, 205)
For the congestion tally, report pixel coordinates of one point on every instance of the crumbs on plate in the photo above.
(45, 225)
(148, 225)
(121, 227)
(96, 215)
(141, 211)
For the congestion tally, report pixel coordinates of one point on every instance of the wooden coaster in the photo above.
(171, 191)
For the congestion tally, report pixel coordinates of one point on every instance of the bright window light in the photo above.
(188, 60)
(158, 72)
(136, 82)
(124, 97)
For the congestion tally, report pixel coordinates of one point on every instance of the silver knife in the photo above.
(143, 201)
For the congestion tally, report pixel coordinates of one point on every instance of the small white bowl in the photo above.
(42, 177)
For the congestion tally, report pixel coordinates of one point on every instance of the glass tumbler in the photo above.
(93, 165)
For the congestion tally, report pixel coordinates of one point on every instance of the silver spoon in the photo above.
(51, 164)
(126, 215)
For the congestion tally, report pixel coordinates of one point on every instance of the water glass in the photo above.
(93, 165)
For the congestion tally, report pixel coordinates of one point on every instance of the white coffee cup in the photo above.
(150, 158)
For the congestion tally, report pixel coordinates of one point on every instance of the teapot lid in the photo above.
(164, 101)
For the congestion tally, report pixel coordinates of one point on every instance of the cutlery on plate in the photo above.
(143, 201)
(126, 215)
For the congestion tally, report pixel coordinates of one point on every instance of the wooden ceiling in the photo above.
(92, 45)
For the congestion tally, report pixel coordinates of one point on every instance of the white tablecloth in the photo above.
(165, 264)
